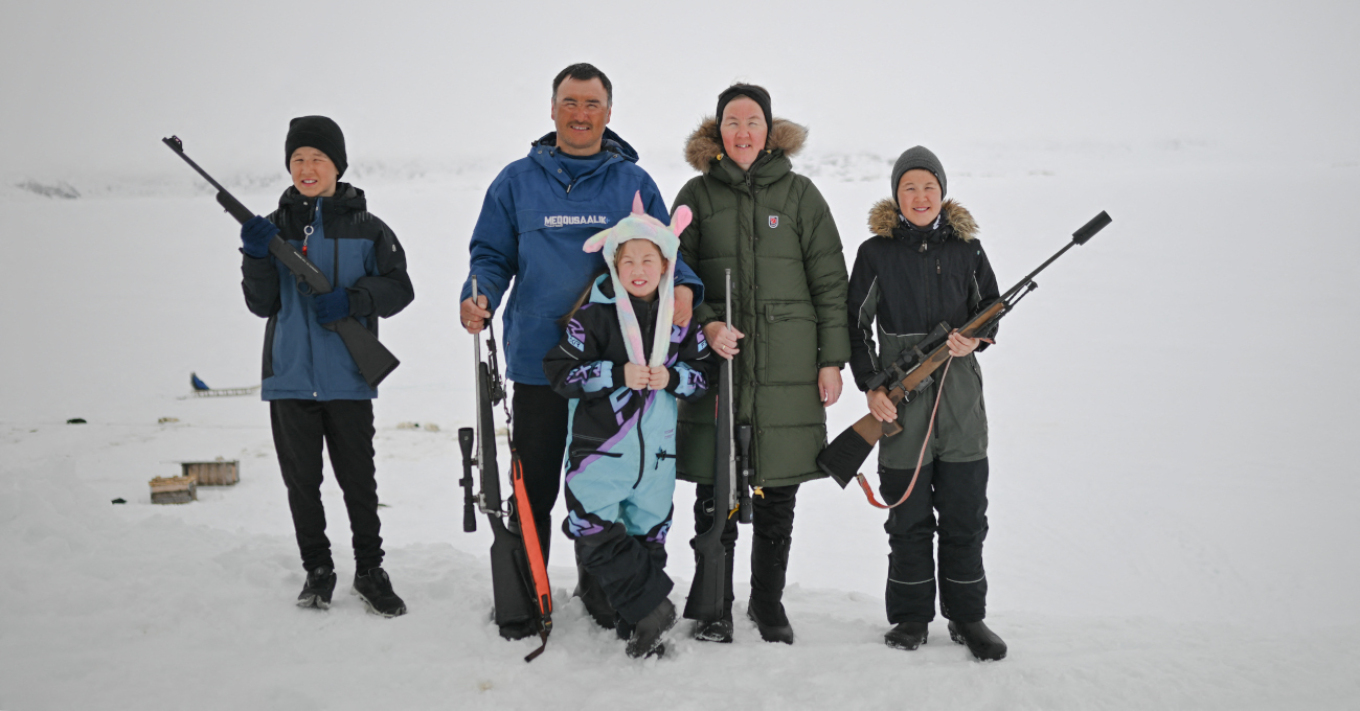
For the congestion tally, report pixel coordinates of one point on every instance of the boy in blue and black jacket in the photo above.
(314, 389)
(621, 364)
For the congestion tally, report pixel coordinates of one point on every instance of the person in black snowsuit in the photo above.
(927, 266)
(314, 389)
(622, 364)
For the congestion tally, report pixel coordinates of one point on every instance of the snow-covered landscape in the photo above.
(1172, 511)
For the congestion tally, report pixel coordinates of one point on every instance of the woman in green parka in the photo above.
(788, 341)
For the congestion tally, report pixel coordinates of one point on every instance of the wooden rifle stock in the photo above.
(916, 375)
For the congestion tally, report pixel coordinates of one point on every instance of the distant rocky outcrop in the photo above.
(61, 189)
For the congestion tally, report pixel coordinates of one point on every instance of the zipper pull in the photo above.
(937, 267)
(922, 250)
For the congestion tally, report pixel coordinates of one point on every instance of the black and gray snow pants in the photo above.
(346, 427)
(958, 491)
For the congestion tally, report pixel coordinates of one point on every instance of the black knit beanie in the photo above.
(316, 132)
(918, 157)
(752, 92)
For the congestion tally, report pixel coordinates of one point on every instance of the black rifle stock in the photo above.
(514, 577)
(513, 603)
(374, 360)
(913, 370)
(707, 595)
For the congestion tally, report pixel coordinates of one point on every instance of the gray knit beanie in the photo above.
(918, 157)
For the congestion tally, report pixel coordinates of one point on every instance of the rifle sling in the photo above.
(864, 483)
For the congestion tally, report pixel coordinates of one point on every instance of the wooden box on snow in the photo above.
(174, 490)
(218, 473)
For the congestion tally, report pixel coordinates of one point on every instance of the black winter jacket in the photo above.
(911, 279)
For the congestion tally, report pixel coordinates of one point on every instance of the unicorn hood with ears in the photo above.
(640, 225)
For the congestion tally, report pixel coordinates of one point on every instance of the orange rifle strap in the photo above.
(534, 553)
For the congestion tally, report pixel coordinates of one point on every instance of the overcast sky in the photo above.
(93, 86)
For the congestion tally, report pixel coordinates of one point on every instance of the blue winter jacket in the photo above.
(533, 222)
(358, 253)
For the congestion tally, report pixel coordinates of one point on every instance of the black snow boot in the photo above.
(908, 635)
(769, 563)
(981, 641)
(646, 637)
(375, 589)
(593, 597)
(715, 631)
(316, 592)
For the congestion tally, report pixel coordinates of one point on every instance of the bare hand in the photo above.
(684, 306)
(881, 406)
(474, 316)
(722, 339)
(960, 346)
(829, 385)
(635, 376)
(659, 378)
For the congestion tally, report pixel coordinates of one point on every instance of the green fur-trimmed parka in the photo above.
(773, 229)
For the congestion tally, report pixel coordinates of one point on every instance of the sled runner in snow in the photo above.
(912, 373)
(201, 389)
(519, 575)
(374, 360)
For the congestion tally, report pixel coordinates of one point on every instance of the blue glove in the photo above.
(332, 307)
(255, 236)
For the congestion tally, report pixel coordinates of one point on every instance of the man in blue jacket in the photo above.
(537, 214)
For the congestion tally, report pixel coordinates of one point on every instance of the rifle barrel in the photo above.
(1081, 236)
(733, 495)
(178, 147)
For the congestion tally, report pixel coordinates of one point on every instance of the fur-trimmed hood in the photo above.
(884, 217)
(705, 143)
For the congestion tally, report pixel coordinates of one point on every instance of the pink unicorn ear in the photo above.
(637, 204)
(681, 219)
(596, 242)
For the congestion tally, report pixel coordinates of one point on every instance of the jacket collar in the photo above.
(955, 220)
(347, 199)
(545, 152)
(704, 152)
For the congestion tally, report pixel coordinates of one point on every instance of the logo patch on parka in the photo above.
(774, 221)
(565, 220)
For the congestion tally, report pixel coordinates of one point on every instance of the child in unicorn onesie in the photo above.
(621, 365)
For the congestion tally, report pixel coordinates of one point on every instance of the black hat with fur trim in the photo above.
(918, 157)
(316, 132)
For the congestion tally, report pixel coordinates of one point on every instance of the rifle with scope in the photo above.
(912, 372)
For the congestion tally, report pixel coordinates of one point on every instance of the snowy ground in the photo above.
(1172, 497)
